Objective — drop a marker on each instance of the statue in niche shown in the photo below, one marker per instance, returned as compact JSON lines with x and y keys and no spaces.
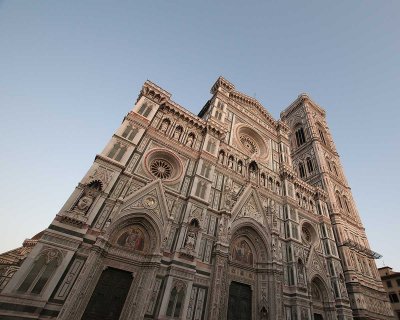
{"x":190,"y":242}
{"x":239,"y":167}
{"x":191,"y":236}
{"x":230,"y":162}
{"x":300,"y":272}
{"x":189,"y":141}
{"x":164,"y":125}
{"x":242,"y":253}
{"x":177,"y":133}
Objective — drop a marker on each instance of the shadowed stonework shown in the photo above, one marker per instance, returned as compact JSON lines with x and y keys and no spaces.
{"x":230,"y":214}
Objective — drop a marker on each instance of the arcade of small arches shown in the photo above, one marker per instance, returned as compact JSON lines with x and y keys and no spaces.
{"x":177,"y":132}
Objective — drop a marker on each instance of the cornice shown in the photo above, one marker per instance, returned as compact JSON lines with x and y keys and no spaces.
{"x":153,"y":92}
{"x":183,"y":113}
{"x":302,"y":98}
{"x":222,"y":83}
{"x":244,"y":99}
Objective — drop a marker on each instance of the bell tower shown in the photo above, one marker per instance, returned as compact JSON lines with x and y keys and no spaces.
{"x":317,"y":162}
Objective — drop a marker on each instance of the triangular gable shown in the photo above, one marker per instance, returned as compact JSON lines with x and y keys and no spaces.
{"x":152,"y":198}
{"x":249,"y":205}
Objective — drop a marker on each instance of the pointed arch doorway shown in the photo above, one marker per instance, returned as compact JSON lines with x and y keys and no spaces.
{"x":319,"y":298}
{"x":239,"y":304}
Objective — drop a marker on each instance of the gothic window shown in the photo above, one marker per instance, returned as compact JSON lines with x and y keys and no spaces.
{"x":176,"y":298}
{"x":334,"y":169}
{"x":301,"y":170}
{"x":42,"y":270}
{"x":321,"y":135}
{"x":145,"y":110}
{"x":346,"y":204}
{"x":201,"y":189}
{"x":210,"y":146}
{"x":130,"y":132}
{"x":117,"y":151}
{"x":338,"y":200}
{"x":309,"y":165}
{"x":218,"y":115}
{"x":205,"y":170}
{"x":300,"y":136}
{"x":329,"y":164}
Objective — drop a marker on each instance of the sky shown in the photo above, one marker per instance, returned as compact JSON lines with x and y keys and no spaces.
{"x":71,"y":70}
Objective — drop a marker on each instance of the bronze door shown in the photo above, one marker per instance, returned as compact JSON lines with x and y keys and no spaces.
{"x":109,"y":295}
{"x":239,"y":305}
{"x":318,"y":316}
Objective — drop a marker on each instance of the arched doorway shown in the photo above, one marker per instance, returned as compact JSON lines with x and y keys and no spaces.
{"x":248,"y":289}
{"x":131,"y":243}
{"x":319,"y":298}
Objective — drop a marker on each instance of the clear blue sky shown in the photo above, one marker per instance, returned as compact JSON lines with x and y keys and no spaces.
{"x":70,"y":71}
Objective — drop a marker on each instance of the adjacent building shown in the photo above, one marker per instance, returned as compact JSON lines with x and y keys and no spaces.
{"x":228,"y":214}
{"x":391,"y":283}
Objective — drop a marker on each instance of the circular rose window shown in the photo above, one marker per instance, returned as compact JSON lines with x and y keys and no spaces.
{"x":161,"y":168}
{"x":249,"y":143}
{"x":163,"y":164}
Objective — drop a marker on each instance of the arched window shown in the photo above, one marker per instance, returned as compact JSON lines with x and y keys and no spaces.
{"x":210,"y":145}
{"x":175,"y":303}
{"x":130,"y":132}
{"x":42,"y":270}
{"x":309,"y":165}
{"x":145,"y":110}
{"x":334,"y":169}
{"x":117,"y":151}
{"x":201,"y":189}
{"x":329,"y":164}
{"x":321,"y":135}
{"x":301,"y":170}
{"x":263,"y":179}
{"x":346,"y":204}
{"x":300,"y":136}
{"x":338,"y":200}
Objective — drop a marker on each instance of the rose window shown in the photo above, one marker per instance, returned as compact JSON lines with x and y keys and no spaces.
{"x":161,"y":168}
{"x":249,"y":144}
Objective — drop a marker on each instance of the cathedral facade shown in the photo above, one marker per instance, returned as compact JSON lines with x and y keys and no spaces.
{"x":229,"y":214}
